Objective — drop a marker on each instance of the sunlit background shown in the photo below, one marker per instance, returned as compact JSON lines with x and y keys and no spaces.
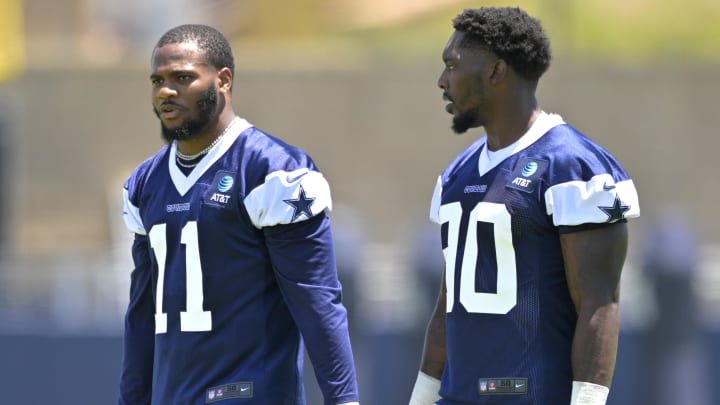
{"x":353,"y":82}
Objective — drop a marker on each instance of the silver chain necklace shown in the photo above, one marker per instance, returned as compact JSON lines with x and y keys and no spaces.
{"x":182,"y":156}
{"x":185,"y":165}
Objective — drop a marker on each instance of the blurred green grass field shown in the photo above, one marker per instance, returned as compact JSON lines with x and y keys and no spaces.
{"x":621,"y":31}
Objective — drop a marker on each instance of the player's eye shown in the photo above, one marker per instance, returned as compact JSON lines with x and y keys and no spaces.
{"x":155,"y":82}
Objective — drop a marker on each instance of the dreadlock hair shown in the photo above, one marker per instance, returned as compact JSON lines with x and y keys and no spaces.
{"x":216,"y":47}
{"x":511,"y":34}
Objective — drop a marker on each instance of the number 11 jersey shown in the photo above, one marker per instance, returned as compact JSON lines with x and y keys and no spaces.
{"x":242,"y":263}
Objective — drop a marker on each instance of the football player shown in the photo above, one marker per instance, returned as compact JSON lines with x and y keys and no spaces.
{"x":233,"y":252}
{"x":533,"y":220}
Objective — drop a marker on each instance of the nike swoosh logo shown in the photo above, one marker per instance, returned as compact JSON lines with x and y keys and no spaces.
{"x":293,"y":179}
{"x":519,"y":385}
{"x":608,"y":187}
{"x":243,"y":389}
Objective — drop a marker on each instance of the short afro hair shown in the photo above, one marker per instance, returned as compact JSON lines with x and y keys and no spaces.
{"x":511,"y":34}
{"x":218,"y":52}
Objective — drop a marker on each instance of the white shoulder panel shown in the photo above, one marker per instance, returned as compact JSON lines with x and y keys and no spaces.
{"x":598,"y":200}
{"x":287,"y":197}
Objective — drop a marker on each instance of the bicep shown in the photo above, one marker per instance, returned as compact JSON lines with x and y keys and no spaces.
{"x":303,"y":252}
{"x":303,"y":262}
{"x":594,"y":260}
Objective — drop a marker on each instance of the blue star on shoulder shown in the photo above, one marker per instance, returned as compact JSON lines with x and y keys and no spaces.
{"x":617,"y":211}
{"x":301,"y":205}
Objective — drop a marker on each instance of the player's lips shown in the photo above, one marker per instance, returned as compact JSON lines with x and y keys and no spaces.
{"x":450,"y":105}
{"x":169,"y":110}
{"x":167,"y":115}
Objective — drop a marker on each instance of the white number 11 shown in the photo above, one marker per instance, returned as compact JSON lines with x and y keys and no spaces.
{"x":193,"y":319}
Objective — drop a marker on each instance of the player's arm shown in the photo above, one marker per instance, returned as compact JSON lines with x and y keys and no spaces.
{"x":594,"y":260}
{"x":139,"y":339}
{"x":304,"y":262}
{"x":434,"y":355}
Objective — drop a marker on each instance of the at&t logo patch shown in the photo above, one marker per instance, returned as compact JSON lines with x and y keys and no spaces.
{"x":527,"y":174}
{"x":225,"y":184}
{"x":221,"y":190}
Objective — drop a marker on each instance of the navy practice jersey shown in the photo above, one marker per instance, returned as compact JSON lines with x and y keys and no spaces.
{"x":240,"y":264}
{"x":510,"y":319}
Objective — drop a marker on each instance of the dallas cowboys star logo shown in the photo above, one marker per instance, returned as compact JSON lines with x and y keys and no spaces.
{"x":301,"y":205}
{"x":617,"y":211}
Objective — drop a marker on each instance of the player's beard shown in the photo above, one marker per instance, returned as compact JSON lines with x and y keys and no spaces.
{"x":464,"y":121}
{"x":207,"y":112}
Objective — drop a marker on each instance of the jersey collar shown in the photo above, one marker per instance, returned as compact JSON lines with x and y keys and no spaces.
{"x":544,"y":123}
{"x":184,"y":183}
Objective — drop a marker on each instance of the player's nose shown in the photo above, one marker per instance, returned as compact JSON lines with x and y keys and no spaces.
{"x":442,"y":80}
{"x":164,"y":91}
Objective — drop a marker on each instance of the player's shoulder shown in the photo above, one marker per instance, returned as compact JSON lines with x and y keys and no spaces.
{"x":142,"y":171}
{"x":570,"y":151}
{"x":273,"y":153}
{"x":468,"y":155}
{"x":283,"y":184}
{"x":567,"y":142}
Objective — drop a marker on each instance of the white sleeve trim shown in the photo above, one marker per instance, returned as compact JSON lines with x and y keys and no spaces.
{"x":287,"y":197}
{"x":131,"y":215}
{"x":579,"y":202}
{"x":435,"y":201}
{"x":585,"y":393}
{"x":425,"y":391}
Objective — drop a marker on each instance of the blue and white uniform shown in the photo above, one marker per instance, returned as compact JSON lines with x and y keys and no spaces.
{"x":234,"y":267}
{"x":510,"y":319}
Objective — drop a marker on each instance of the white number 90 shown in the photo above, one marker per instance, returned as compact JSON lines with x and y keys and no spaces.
{"x":505,"y":298}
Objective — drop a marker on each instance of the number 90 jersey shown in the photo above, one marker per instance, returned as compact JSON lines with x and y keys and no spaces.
{"x":510,"y":319}
{"x":242,"y":263}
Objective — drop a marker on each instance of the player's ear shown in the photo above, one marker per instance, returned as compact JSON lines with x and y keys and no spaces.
{"x":499,"y":71}
{"x":225,"y":80}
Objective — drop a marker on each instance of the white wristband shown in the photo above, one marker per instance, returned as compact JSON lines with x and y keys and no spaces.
{"x":425,"y":391}
{"x":585,"y":393}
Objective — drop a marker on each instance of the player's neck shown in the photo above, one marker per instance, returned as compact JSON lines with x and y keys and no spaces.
{"x":510,"y":126}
